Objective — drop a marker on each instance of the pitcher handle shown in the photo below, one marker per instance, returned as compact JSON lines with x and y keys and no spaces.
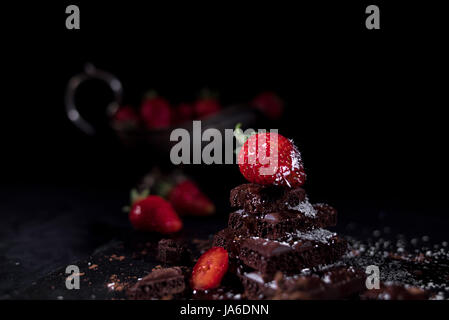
{"x":91,"y":72}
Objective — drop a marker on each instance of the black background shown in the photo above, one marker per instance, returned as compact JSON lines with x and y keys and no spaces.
{"x":366,"y":108}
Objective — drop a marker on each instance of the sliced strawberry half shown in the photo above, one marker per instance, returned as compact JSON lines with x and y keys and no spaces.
{"x":210,"y":269}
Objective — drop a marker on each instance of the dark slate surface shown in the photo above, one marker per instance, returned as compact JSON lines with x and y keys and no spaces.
{"x":53,"y":228}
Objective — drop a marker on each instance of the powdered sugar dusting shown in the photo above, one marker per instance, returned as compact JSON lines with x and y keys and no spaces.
{"x":327,"y":279}
{"x":304,"y":207}
{"x":295,"y":156}
{"x":241,"y":212}
{"x":255,"y":276}
{"x":319,"y":235}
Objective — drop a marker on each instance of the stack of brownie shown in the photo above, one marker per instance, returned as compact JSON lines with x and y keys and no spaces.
{"x":278,"y":246}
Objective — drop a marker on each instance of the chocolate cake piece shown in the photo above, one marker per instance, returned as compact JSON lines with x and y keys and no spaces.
{"x":170,"y":251}
{"x":336,"y":282}
{"x":160,"y":283}
{"x":275,"y":225}
{"x":301,"y":250}
{"x":220,"y":293}
{"x":254,"y":198}
{"x":392,"y":291}
{"x":227,"y":239}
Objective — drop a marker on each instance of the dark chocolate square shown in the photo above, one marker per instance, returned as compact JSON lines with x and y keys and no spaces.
{"x":275,"y":225}
{"x":173,"y":252}
{"x":254,"y":198}
{"x":299,"y":250}
{"x":337,"y":282}
{"x":302,"y":250}
{"x":160,"y":283}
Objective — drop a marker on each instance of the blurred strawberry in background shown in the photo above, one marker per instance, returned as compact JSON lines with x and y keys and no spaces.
{"x":182,"y":113}
{"x":154,"y":213}
{"x":126,"y":118}
{"x":206,"y":107}
{"x":269,"y":104}
{"x":155,"y":112}
{"x":182,"y":192}
{"x":206,"y":104}
{"x":188,"y":199}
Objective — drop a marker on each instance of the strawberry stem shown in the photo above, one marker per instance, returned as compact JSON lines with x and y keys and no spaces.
{"x":137,"y":196}
{"x":163,"y":189}
{"x":240,"y":136}
{"x":150,"y":94}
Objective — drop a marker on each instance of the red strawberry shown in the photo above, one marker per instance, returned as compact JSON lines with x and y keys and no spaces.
{"x":269,"y":104}
{"x":153,"y":213}
{"x":156,"y":113}
{"x":188,"y":199}
{"x":210,"y":269}
{"x":259,"y":163}
{"x":206,"y":107}
{"x":183,"y":113}
{"x":126,"y":117}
